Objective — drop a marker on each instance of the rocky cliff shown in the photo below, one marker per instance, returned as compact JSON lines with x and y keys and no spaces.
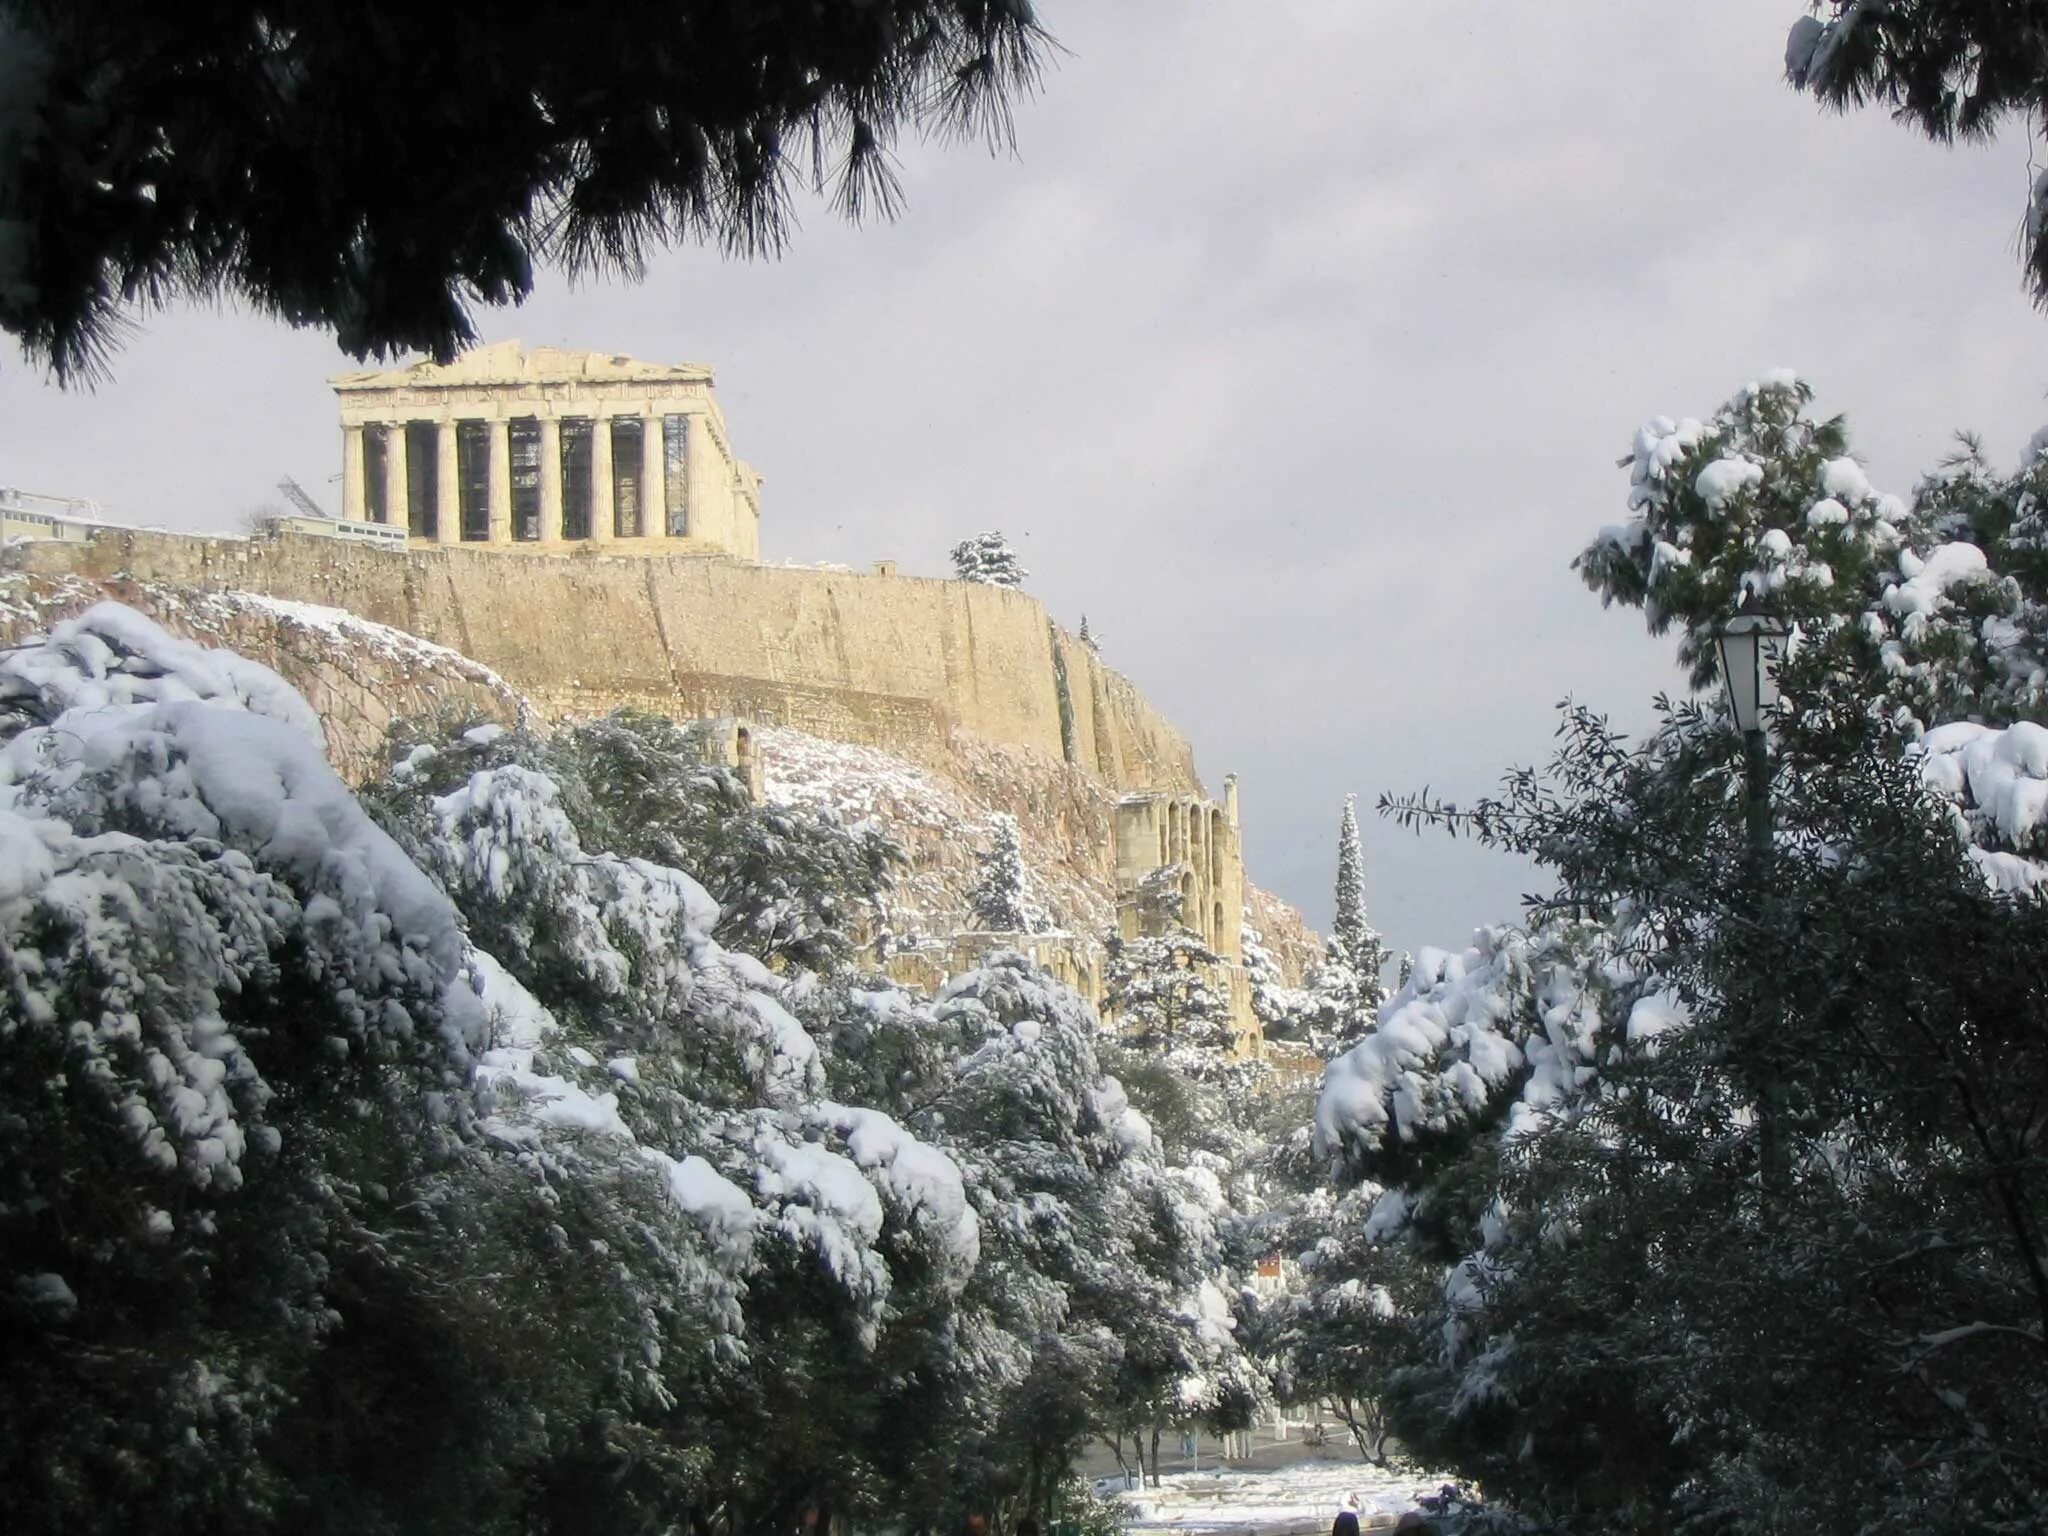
{"x":907,"y":664}
{"x":359,"y":675}
{"x":362,"y":675}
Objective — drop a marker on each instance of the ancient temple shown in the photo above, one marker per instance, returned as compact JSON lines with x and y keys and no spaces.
{"x":548,"y":451}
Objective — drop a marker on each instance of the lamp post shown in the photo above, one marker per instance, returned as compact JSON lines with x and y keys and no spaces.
{"x":1751,"y":646}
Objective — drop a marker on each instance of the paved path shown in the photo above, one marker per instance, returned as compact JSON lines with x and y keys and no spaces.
{"x":1268,"y":1452}
{"x":1283,"y":1488}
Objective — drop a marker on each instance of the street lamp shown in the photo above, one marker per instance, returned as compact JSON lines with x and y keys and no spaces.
{"x":1751,"y":646}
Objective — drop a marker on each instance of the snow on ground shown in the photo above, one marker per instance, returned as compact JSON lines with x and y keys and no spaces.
{"x":1308,"y":1495}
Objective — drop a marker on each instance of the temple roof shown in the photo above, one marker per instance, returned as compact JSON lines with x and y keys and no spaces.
{"x":506,"y":362}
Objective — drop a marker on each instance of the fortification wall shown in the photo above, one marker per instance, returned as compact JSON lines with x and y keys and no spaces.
{"x":893,"y":661}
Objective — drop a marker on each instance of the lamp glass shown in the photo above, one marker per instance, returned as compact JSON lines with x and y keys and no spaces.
{"x":1751,"y":646}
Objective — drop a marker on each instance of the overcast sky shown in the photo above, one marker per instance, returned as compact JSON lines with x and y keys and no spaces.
{"x":1295,"y":348}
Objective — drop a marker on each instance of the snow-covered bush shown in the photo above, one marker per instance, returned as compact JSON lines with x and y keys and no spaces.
{"x":229,"y":996}
{"x":456,"y":1099}
{"x":793,"y":887}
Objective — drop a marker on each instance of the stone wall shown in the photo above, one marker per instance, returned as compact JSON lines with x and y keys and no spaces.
{"x":894,"y":661}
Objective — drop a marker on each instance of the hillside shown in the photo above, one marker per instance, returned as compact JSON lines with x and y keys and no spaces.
{"x":360,"y":676}
{"x":906,"y":663}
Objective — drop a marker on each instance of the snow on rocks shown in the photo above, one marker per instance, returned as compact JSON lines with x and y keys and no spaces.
{"x":924,"y":811}
{"x":339,"y":625}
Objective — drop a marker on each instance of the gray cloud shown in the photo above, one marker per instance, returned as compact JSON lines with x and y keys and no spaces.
{"x":1295,"y":349}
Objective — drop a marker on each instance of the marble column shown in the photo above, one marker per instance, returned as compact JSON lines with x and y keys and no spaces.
{"x":708,"y":503}
{"x":550,"y":480}
{"x":653,"y":479}
{"x":601,"y":480}
{"x":500,"y":525}
{"x":447,"y":486}
{"x":352,"y":473}
{"x":396,"y":506}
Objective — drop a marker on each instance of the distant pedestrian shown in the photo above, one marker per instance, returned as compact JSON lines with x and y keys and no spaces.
{"x":1346,"y":1523}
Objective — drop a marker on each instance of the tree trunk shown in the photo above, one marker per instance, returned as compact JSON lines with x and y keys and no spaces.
{"x":1155,"y":1455}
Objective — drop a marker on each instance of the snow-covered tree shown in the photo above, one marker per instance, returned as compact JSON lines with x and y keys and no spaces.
{"x":793,"y":887}
{"x":545,"y":139}
{"x":1675,"y":1149}
{"x":987,"y":558}
{"x":1353,"y":939}
{"x":894,"y":1156}
{"x":1162,"y":995}
{"x":1340,"y":1008}
{"x":465,"y":1110}
{"x":1001,"y":899}
{"x":1345,"y":991}
{"x":1281,"y":1010}
{"x":1952,"y":71}
{"x":236,"y":1112}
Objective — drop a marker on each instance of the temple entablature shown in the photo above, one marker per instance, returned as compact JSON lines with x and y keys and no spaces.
{"x":551,"y":452}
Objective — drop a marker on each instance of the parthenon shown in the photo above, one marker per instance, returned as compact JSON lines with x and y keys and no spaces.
{"x":547,"y":452}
